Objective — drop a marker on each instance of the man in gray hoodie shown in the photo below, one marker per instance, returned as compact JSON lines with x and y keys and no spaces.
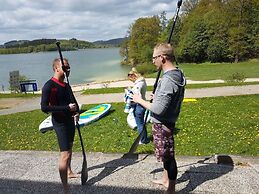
{"x":165,"y":110}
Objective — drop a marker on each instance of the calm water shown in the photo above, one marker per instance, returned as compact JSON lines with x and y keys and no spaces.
{"x":87,"y":65}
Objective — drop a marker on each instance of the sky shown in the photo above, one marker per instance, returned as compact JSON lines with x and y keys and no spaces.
{"x":89,"y":20}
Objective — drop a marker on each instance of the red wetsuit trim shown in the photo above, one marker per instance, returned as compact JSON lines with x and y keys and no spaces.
{"x":58,"y":82}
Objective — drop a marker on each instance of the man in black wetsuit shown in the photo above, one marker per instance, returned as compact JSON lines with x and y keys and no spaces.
{"x":58,"y":98}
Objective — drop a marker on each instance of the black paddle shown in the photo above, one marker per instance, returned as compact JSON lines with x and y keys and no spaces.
{"x":136,"y":142}
{"x":84,"y":172}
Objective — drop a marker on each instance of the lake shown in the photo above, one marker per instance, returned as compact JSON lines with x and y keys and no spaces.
{"x":87,"y":65}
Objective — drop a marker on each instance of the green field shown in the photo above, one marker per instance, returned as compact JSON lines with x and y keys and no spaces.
{"x":150,"y":88}
{"x":212,"y":71}
{"x":225,"y":125}
{"x":18,"y":95}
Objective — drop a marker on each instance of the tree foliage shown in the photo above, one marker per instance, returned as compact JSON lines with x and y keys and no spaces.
{"x":219,"y":30}
{"x":143,"y":36}
{"x":207,"y":30}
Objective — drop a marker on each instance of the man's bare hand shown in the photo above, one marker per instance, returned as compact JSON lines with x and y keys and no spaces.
{"x":151,"y":96}
{"x":72,"y":107}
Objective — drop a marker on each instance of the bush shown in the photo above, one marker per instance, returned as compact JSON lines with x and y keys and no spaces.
{"x":236,"y":77}
{"x":146,"y":68}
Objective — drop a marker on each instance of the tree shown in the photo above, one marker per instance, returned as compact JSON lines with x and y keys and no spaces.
{"x":208,"y":30}
{"x":189,"y":6}
{"x":124,"y":52}
{"x":243,"y":28}
{"x":194,"y":36}
{"x":143,"y":37}
{"x":219,"y":30}
{"x":163,"y":20}
{"x":217,"y":27}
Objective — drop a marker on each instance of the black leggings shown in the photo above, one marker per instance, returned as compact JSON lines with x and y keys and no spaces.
{"x":171,"y":168}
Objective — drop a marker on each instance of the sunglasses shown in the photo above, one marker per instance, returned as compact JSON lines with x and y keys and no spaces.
{"x":155,"y":57}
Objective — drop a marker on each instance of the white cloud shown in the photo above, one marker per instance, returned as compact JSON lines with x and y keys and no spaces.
{"x":81,"y":19}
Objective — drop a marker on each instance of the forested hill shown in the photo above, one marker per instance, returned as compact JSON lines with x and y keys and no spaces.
{"x":112,"y":42}
{"x":42,"y":45}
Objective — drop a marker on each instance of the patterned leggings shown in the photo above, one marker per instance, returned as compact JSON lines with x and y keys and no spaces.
{"x":164,"y":147}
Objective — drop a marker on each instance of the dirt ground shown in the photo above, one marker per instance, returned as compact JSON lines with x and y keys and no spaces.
{"x":11,"y":102}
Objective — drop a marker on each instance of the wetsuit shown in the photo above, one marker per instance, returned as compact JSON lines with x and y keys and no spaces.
{"x":56,"y":97}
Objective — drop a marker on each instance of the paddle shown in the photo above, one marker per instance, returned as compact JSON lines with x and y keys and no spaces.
{"x":136,"y":142}
{"x":84,"y":172}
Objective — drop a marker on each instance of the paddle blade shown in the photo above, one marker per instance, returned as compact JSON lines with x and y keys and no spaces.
{"x":84,"y":173}
{"x":134,"y":146}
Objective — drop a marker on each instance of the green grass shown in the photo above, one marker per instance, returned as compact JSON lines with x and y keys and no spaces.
{"x":226,"y":125}
{"x":212,"y":71}
{"x":18,"y":95}
{"x":121,"y":89}
{"x":209,"y":85}
{"x":150,"y":88}
{"x":104,"y":90}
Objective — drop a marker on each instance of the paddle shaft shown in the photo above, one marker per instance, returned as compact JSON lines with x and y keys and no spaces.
{"x":136,"y":142}
{"x":84,"y":173}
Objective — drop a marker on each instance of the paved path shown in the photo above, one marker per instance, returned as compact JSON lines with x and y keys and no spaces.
{"x":33,"y":104}
{"x":189,"y":93}
{"x":36,"y":172}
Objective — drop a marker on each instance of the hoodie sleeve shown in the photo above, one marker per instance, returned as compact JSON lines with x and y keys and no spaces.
{"x":163,"y":96}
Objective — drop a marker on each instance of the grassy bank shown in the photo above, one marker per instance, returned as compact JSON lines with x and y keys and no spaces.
{"x":18,"y":95}
{"x":212,"y":125}
{"x":150,"y":88}
{"x":212,"y":71}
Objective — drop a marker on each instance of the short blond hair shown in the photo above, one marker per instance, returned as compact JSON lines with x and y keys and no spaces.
{"x":56,"y":62}
{"x":164,"y":49}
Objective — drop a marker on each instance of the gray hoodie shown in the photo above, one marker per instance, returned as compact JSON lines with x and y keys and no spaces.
{"x":168,"y":97}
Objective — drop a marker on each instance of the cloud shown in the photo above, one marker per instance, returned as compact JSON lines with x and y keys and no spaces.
{"x":81,"y":19}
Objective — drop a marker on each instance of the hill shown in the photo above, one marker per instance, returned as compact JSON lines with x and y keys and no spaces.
{"x":112,"y":42}
{"x":42,"y":45}
{"x":14,"y":43}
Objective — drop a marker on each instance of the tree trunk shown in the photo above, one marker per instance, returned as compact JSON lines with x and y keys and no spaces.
{"x":236,"y":58}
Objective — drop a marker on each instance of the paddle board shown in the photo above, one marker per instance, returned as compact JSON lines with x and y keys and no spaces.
{"x":85,"y":118}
